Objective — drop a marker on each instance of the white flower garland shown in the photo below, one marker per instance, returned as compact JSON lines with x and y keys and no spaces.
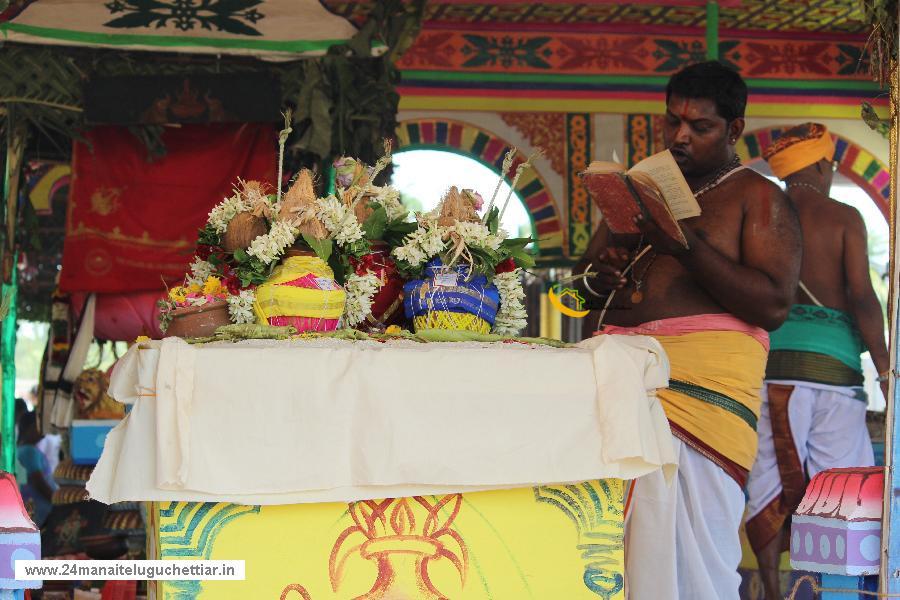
{"x":389,"y":198}
{"x":222,"y":213}
{"x":430,"y":239}
{"x":512,"y":317}
{"x":422,"y":244}
{"x":240,"y":307}
{"x":478,"y":235}
{"x":200,"y":271}
{"x":269,"y":247}
{"x":361,"y":289}
{"x":339,"y":220}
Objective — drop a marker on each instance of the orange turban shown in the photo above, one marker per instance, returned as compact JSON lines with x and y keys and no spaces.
{"x":798,"y":148}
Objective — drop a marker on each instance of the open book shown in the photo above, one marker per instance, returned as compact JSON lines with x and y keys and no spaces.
{"x":654,"y":187}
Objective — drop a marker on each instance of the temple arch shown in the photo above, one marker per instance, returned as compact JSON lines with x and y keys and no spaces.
{"x":489,"y":149}
{"x":854,"y":162}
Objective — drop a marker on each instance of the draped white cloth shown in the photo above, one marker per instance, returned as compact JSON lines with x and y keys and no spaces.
{"x":266,"y":422}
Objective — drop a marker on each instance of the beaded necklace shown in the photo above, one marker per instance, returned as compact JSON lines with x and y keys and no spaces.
{"x":727,"y":170}
{"x":721,"y":175}
{"x":806,"y":185}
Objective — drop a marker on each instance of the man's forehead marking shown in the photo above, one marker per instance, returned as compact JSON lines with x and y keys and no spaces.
{"x":685,"y":104}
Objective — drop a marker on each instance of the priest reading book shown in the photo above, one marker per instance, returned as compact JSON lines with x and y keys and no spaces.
{"x":654,"y":188}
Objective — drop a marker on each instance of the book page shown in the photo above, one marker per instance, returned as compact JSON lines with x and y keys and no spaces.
{"x":601,"y":166}
{"x":664,"y":171}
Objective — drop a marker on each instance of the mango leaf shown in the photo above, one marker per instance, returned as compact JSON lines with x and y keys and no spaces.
{"x":522,"y":257}
{"x":322,"y":248}
{"x":209,"y":236}
{"x":396,"y":232}
{"x":516,"y":242}
{"x":340,"y":266}
{"x":493,"y":220}
{"x":376,"y":223}
{"x":484,"y":259}
{"x":358,"y":248}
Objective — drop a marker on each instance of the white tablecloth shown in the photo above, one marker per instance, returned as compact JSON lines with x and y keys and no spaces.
{"x":266,"y":422}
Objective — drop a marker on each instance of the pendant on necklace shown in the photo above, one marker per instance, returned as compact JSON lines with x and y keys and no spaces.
{"x":637,"y":296}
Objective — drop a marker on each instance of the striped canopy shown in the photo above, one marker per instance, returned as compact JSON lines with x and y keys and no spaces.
{"x":267,"y":29}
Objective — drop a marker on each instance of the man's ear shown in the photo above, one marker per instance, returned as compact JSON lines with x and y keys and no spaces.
{"x":736,"y":129}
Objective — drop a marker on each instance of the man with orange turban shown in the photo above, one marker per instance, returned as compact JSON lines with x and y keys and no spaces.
{"x":813,"y":413}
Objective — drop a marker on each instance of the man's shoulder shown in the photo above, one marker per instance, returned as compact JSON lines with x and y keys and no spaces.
{"x":848,"y":216}
{"x":752,"y":190}
{"x":829,"y":210}
{"x":845,"y":210}
{"x":757,"y":182}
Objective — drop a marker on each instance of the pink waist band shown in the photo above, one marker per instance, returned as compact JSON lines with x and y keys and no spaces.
{"x":692,"y":324}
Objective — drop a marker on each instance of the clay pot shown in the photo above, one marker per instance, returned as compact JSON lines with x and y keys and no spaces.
{"x":198,"y":321}
{"x":242,"y":230}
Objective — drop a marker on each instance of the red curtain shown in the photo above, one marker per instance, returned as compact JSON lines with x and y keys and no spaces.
{"x":132,"y":224}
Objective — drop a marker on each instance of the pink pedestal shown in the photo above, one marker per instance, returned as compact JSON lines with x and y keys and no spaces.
{"x":19,"y":538}
{"x":837,"y":527}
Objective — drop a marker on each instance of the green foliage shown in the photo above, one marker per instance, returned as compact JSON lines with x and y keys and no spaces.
{"x":396,"y":230}
{"x":493,"y":220}
{"x":250,"y":270}
{"x":484,"y":260}
{"x":209,"y":236}
{"x":346,"y":102}
{"x":322,"y":248}
{"x":515,"y":248}
{"x":376,"y":223}
{"x":340,"y":266}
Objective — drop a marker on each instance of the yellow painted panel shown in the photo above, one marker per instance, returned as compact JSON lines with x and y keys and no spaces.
{"x":540,"y":543}
{"x":402,"y":136}
{"x":862,"y":162}
{"x":467,"y":139}
{"x":599,"y":105}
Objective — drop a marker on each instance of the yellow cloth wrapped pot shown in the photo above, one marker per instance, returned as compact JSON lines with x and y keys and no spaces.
{"x":301,"y":286}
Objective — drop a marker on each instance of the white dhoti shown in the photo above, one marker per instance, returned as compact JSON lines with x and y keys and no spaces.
{"x":804,"y":428}
{"x":698,"y":515}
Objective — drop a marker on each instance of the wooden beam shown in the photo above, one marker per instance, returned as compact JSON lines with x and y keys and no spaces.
{"x":890,"y":523}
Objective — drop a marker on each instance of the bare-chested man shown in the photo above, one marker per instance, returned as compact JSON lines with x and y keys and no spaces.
{"x":709,"y":307}
{"x":814,"y":407}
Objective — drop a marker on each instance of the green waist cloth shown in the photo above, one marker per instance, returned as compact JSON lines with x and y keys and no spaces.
{"x":820,"y":330}
{"x":816,"y":368}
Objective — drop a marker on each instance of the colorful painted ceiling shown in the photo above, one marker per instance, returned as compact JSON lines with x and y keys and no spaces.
{"x":801,"y":58}
{"x":763,"y":15}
